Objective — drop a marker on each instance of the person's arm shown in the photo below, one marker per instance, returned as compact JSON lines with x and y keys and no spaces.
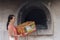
{"x":11,"y":33}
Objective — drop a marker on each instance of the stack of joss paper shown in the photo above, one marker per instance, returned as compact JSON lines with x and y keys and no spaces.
{"x":26,"y":28}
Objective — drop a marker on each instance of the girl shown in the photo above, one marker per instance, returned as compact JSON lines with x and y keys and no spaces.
{"x":11,"y":28}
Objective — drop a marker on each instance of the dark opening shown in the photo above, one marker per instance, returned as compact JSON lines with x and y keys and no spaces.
{"x":37,"y":15}
{"x":35,"y":11}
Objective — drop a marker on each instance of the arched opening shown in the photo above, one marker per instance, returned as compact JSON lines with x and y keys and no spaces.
{"x":35,"y":12}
